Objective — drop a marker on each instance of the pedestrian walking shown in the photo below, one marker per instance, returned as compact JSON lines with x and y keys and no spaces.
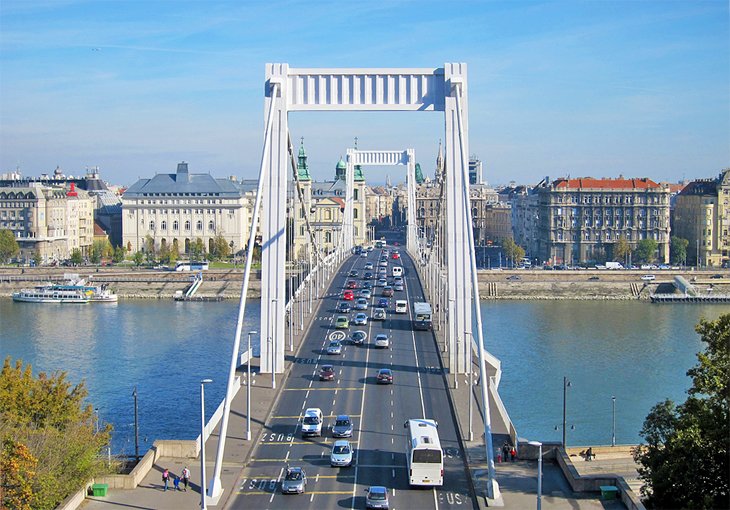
{"x":505,"y":452}
{"x":165,"y":478}
{"x":176,"y":483}
{"x":185,"y":478}
{"x":513,"y":453}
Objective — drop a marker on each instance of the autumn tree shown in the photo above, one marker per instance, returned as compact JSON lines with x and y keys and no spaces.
{"x":9,"y":247}
{"x":48,"y":432}
{"x":621,"y":250}
{"x":512,"y":250}
{"x":221,"y":250}
{"x":17,"y":473}
{"x":685,"y":461}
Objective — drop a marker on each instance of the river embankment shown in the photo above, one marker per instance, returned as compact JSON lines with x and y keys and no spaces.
{"x":518,"y":284}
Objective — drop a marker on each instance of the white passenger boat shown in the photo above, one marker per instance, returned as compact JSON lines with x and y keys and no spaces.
{"x":50,"y":293}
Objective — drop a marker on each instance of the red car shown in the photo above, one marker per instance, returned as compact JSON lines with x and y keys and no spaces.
{"x":348,"y":295}
{"x":385,"y":376}
{"x":352,"y":284}
{"x":396,"y":256}
{"x":327,"y":373}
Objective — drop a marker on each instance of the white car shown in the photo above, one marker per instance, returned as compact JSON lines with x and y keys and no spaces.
{"x":312,"y":422}
{"x":382,"y":341}
{"x":361,"y":304}
{"x":648,"y":277}
{"x":341,"y":455}
{"x":382,"y":283}
{"x":361,"y":319}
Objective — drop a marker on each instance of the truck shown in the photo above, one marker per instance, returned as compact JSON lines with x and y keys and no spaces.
{"x":614,"y":265}
{"x":422,"y":315}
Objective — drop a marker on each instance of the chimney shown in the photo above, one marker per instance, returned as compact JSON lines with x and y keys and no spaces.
{"x":182,"y":172}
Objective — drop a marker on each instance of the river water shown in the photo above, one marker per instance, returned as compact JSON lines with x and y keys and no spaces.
{"x":635,"y":351}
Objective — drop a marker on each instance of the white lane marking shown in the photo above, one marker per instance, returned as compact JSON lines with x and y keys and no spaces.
{"x":306,"y":395}
{"x":278,"y":481}
{"x":333,"y":402}
{"x":310,"y":383}
{"x":311,"y":498}
{"x":393,"y":471}
{"x":286,"y":459}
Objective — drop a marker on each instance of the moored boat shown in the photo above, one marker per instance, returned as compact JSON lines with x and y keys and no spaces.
{"x":50,"y":293}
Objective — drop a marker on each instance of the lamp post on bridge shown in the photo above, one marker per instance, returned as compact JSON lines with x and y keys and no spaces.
{"x":538,"y":444}
{"x":272,"y":349}
{"x":613,"y":416}
{"x":248,"y":387}
{"x":471,"y":388}
{"x":203,"y":487}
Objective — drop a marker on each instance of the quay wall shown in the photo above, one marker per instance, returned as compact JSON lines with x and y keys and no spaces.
{"x":533,"y":284}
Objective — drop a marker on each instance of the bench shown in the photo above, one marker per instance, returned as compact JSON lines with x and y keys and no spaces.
{"x":609,"y":492}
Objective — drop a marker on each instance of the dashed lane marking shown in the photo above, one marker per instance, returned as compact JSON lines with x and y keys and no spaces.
{"x":322,"y":389}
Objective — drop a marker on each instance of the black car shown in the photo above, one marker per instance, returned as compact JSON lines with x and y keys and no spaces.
{"x":367,"y":285}
{"x":354,"y":274}
{"x":343,"y":307}
{"x":342,"y":426}
{"x":368,"y":275}
{"x":358,"y":337}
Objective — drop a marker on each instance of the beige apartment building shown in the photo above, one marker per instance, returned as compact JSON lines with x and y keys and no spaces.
{"x":52,"y":221}
{"x":702,"y":216}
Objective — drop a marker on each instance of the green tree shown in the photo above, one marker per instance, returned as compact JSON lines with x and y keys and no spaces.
{"x":197,"y":249}
{"x":645,"y":250}
{"x":685,"y":461}
{"x":221,"y":250}
{"x":100,"y":248}
{"x":174,"y":252}
{"x":621,"y":250}
{"x":512,"y":250}
{"x":37,"y":259}
{"x":164,"y":254}
{"x":9,"y":247}
{"x":678,"y":250}
{"x":76,"y":257}
{"x":137,"y":258}
{"x":149,"y":248}
{"x":118,"y":254}
{"x":44,"y":418}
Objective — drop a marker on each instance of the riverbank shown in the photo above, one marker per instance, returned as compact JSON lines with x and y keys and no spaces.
{"x":533,"y":284}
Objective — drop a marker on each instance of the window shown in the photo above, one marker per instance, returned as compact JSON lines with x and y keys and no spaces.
{"x":211,"y":226}
{"x":199,"y":226}
{"x":328,"y":237}
{"x":152,"y":225}
{"x":354,"y":213}
{"x":187,"y":225}
{"x":163,"y":225}
{"x":175,"y":225}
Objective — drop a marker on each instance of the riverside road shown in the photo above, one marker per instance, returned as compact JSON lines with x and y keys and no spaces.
{"x":378,"y":413}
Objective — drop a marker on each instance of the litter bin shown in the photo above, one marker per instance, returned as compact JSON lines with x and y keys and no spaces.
{"x":609,"y":492}
{"x":99,"y":489}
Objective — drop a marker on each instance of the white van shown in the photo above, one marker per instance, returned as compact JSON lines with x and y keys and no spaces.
{"x":397,"y":271}
{"x":401,"y":306}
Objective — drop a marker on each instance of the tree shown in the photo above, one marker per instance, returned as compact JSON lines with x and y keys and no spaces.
{"x":512,"y":250}
{"x":645,"y":250}
{"x":164,"y":254}
{"x":76,"y":257}
{"x":678,"y":250}
{"x":197,"y":249}
{"x":9,"y":247}
{"x":149,"y":248}
{"x":17,"y":473}
{"x":48,"y":434}
{"x":221,"y":250}
{"x":137,"y":258}
{"x":621,"y":249}
{"x":118,"y":255}
{"x":100,"y":248}
{"x":37,"y":259}
{"x":685,"y":461}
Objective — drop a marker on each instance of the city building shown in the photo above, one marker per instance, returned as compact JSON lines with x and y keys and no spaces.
{"x":324,"y":208}
{"x":177,"y":209}
{"x":701,"y":215}
{"x":580,"y":220}
{"x":51,"y":221}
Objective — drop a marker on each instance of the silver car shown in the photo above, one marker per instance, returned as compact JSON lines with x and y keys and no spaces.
{"x":335,"y":347}
{"x":361,"y":319}
{"x":361,"y":304}
{"x":379,"y":314}
{"x":377,"y":497}
{"x":341,"y":455}
{"x":294,"y":481}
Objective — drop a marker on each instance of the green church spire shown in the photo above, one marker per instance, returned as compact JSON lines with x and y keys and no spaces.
{"x":419,"y":174}
{"x":302,"y":166}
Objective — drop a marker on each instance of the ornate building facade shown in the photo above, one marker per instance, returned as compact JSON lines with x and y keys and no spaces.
{"x":178,"y":209}
{"x":51,"y":221}
{"x":324,"y":208}
{"x":581,"y":219}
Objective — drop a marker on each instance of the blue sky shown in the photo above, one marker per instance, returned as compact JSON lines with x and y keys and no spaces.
{"x":585,"y":88}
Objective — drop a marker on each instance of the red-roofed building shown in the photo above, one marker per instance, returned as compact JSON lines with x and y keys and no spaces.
{"x":580,"y":220}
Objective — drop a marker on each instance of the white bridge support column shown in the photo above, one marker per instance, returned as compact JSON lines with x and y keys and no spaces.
{"x":412,"y":232}
{"x":273,"y":228}
{"x":458,"y":221}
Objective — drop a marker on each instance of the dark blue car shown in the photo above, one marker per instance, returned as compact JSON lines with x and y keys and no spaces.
{"x":383,"y":302}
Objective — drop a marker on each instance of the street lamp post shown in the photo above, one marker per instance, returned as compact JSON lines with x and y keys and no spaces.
{"x":471,"y":389}
{"x":248,"y":387}
{"x":613,"y":415}
{"x":203,"y":486}
{"x":272,"y":349}
{"x":566,"y":383}
{"x":539,"y":472}
{"x":136,"y":427}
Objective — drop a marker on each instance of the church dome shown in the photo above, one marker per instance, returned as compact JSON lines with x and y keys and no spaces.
{"x":341,"y":165}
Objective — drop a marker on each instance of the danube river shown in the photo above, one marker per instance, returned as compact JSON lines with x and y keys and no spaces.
{"x":635,"y":351}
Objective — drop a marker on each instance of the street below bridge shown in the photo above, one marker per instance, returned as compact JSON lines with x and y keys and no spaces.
{"x":378,"y":411}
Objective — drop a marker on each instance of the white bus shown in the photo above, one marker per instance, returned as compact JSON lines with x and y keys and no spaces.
{"x":424,"y":455}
